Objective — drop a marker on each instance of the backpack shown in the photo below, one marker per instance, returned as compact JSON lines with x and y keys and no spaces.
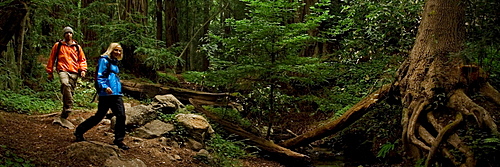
{"x":106,"y":72}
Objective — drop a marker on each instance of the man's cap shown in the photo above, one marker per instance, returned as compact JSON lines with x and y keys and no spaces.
{"x":67,"y":29}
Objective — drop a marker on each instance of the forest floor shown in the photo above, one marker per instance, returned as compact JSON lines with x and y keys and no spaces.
{"x":37,"y":139}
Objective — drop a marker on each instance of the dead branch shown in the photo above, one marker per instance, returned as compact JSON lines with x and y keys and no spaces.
{"x":258,"y":141}
{"x":349,"y":117}
{"x":45,"y":115}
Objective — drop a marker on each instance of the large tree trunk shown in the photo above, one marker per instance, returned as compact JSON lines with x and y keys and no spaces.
{"x":10,"y":23}
{"x":434,"y":84}
{"x":159,"y":20}
{"x":171,"y":29}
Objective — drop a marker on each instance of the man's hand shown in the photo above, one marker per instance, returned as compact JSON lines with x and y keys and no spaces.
{"x":108,"y":90}
{"x":82,"y":74}
{"x":50,"y":77}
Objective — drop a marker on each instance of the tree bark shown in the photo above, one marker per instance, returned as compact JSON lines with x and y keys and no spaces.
{"x":136,"y":7}
{"x":10,"y":24}
{"x":433,"y":85}
{"x":159,"y":20}
{"x":171,"y":29}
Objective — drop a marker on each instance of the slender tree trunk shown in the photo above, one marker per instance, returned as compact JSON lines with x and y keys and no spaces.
{"x":88,"y":34}
{"x":159,"y":20}
{"x":171,"y":29}
{"x":136,"y":7}
{"x":19,"y":44}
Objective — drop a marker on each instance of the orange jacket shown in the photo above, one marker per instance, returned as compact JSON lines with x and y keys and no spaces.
{"x":68,"y":59}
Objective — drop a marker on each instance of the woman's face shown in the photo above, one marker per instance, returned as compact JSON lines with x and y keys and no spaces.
{"x":117,"y":52}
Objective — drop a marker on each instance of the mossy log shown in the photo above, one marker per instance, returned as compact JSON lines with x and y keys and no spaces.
{"x":149,"y":90}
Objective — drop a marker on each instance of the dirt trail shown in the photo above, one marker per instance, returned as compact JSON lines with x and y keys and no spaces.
{"x":35,"y":138}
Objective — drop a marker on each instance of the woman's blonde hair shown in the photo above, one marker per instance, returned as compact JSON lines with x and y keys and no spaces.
{"x":110,"y":49}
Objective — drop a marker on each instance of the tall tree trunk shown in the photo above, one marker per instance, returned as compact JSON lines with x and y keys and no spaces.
{"x":10,"y":24}
{"x":88,"y":34}
{"x":159,"y":20}
{"x":434,"y":86}
{"x":136,"y":7}
{"x":19,"y":43}
{"x":171,"y":29}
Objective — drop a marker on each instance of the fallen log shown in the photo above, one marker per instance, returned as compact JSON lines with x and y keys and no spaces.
{"x":349,"y":117}
{"x":149,"y":90}
{"x":256,"y":140}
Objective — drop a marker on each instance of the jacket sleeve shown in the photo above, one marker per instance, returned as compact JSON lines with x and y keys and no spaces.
{"x":82,"y":61}
{"x":102,"y":78}
{"x":52,"y":58}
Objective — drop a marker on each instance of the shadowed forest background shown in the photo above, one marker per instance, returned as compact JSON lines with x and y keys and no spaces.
{"x":292,"y":65}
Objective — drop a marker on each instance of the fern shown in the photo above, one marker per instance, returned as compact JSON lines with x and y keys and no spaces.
{"x":385,"y":149}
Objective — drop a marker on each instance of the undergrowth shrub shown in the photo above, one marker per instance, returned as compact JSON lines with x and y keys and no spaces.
{"x":226,"y":152}
{"x":11,"y":101}
{"x":10,"y":159}
{"x":229,"y":114}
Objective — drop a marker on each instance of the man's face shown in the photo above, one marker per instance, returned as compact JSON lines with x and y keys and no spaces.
{"x":68,"y":36}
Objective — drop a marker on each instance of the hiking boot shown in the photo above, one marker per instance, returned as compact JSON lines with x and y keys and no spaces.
{"x":65,"y":114}
{"x":121,"y":145}
{"x":78,"y":137}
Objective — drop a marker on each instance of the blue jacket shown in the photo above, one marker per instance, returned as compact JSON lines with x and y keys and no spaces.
{"x":108,"y":77}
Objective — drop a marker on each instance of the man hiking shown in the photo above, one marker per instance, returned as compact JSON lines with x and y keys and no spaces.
{"x":70,"y":63}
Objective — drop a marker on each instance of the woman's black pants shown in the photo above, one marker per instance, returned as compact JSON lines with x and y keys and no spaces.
{"x":115,"y":103}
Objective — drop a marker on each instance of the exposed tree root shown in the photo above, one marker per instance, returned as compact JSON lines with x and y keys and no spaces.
{"x":461,"y":102}
{"x":412,"y":124}
{"x":488,"y":91}
{"x":441,"y":135}
{"x":456,"y":142}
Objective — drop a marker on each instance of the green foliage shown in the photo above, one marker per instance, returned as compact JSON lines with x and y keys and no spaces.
{"x":8,"y":77}
{"x":369,"y":28}
{"x":229,"y":114}
{"x":486,"y":56}
{"x":10,"y":159}
{"x":486,"y":148}
{"x":226,"y":151}
{"x":159,"y":59}
{"x":386,"y":148}
{"x":167,"y":78}
{"x":83,"y":95}
{"x":26,"y":103}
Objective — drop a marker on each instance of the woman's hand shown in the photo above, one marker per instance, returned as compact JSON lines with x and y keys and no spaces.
{"x":108,"y":90}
